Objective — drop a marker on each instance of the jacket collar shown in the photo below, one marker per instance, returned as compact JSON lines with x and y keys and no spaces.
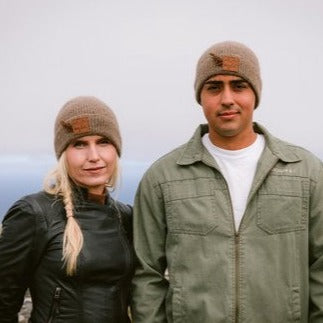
{"x":82,"y":195}
{"x":195,"y":151}
{"x":279,"y":148}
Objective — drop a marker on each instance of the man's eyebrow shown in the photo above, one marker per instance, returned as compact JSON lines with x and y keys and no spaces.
{"x":239,"y":81}
{"x":220,"y":81}
{"x":213,"y":82}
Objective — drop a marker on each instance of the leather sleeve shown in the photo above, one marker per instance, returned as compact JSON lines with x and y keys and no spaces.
{"x":16,"y":246}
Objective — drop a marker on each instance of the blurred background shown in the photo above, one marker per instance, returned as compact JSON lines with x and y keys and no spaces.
{"x":139,"y":57}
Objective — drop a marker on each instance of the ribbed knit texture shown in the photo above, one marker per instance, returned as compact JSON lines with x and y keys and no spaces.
{"x":228,"y":58}
{"x":84,"y":116}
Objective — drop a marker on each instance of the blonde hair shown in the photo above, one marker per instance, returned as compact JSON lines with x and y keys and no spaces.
{"x":58,"y":182}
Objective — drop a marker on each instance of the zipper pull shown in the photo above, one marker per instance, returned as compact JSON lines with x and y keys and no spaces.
{"x":57,"y":293}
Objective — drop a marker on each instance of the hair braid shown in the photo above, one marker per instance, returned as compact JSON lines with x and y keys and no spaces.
{"x":73,"y":237}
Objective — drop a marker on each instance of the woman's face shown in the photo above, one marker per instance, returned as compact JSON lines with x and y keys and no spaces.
{"x":91,"y":161}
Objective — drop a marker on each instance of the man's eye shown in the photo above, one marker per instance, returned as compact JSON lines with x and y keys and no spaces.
{"x":213,"y":87}
{"x":240,"y":86}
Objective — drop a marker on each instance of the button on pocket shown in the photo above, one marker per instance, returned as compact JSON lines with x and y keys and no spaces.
{"x":190,"y":206}
{"x":282,"y":204}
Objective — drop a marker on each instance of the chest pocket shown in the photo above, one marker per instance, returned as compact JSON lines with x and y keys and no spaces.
{"x":282,"y":204}
{"x":190,"y":206}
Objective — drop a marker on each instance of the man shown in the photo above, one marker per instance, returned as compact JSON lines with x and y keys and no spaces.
{"x":235,"y":215}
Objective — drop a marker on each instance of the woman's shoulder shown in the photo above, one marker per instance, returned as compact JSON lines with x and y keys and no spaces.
{"x":38,"y":201}
{"x":122,"y":207}
{"x":37,"y":205}
{"x":125,"y":210}
{"x":25,"y":213}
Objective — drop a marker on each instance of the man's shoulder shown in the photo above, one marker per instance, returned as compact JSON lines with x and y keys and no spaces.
{"x":165,"y":166}
{"x":308,"y":164}
{"x":288,"y":151}
{"x":168,"y":160}
{"x":185,"y":151}
{"x":301,"y":152}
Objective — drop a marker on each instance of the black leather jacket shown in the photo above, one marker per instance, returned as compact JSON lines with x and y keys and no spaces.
{"x":31,"y":257}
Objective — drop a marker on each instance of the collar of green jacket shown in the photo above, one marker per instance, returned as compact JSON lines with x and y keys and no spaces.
{"x":195,"y":151}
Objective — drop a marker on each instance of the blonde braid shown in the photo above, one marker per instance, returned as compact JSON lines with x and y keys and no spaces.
{"x":73,"y":237}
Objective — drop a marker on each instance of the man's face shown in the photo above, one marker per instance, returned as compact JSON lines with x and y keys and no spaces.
{"x":228,"y":103}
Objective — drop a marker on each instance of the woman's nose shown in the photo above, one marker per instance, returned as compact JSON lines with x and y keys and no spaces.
{"x":93,"y":154}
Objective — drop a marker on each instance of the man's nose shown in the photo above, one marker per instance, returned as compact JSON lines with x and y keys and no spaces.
{"x":227,"y":96}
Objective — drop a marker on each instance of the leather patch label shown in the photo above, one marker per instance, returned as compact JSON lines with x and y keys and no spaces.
{"x":80,"y":125}
{"x":227,"y":63}
{"x":231,"y":63}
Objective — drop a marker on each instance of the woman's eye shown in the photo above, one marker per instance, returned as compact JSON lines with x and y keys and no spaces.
{"x":104,"y":142}
{"x":78,"y":144}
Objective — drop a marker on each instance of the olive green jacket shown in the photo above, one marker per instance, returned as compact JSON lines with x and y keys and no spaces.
{"x":269,"y":271}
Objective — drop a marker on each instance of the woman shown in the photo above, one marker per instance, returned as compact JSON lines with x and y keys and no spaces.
{"x":71,"y":243}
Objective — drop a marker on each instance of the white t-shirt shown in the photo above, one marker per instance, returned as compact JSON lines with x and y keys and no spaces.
{"x":238,"y":168}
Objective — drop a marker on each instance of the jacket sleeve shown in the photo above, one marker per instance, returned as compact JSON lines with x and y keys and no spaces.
{"x":316,"y":251}
{"x":16,"y":244}
{"x":149,"y":284}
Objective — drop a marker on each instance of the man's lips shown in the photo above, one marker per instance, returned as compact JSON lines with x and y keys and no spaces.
{"x":228,"y":114}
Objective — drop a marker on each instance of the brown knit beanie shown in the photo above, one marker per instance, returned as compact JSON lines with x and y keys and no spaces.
{"x":228,"y":58}
{"x":84,"y":116}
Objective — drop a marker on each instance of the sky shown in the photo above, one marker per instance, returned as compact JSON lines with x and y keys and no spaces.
{"x":139,"y":57}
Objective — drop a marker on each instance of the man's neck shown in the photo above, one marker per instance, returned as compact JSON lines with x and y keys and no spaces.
{"x":237,"y":142}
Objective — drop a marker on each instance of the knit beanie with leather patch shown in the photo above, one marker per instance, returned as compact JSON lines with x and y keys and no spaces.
{"x":228,"y":58}
{"x":85,"y":116}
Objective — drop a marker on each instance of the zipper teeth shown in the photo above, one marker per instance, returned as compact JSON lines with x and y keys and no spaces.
{"x":126,"y":246}
{"x":125,"y":243}
{"x":56,"y":298}
{"x":236,"y":256}
{"x":237,"y":259}
{"x":237,"y":274}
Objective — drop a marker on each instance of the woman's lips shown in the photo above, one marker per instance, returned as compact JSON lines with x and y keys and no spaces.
{"x":94,"y":170}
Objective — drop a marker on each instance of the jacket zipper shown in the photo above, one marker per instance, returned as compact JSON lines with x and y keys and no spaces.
{"x":236,"y":256}
{"x":125,"y":243}
{"x":126,"y":246}
{"x":236,"y":261}
{"x":55,"y":306}
{"x":237,"y":274}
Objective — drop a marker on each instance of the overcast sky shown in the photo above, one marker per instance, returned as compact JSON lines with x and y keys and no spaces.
{"x":140,"y":57}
